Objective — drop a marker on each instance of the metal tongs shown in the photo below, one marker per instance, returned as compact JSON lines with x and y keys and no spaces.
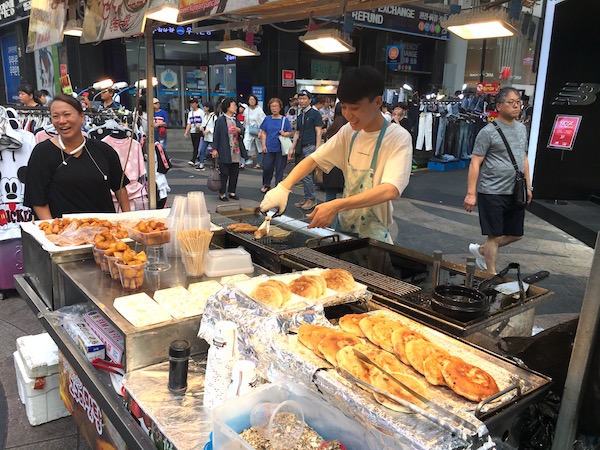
{"x":109,"y":366}
{"x":269,"y":215}
{"x":438,"y":415}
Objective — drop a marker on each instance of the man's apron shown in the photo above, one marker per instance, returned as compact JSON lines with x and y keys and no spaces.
{"x":362,"y":222}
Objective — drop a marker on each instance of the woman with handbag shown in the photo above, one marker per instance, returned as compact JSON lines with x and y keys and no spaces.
{"x":228,"y":147}
{"x":207,"y":132}
{"x":276,"y":131}
{"x":252,"y":141}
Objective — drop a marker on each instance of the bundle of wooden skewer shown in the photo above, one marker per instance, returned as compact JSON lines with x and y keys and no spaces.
{"x":194,"y":245}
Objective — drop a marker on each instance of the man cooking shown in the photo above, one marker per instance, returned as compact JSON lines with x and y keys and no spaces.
{"x":374,"y":157}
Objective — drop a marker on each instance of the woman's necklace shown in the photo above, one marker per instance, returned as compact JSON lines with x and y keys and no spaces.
{"x":72,"y":152}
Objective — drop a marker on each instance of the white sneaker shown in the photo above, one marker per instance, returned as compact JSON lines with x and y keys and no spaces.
{"x":479,"y":258}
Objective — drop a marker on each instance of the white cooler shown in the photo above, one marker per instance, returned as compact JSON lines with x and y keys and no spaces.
{"x":36,"y":366}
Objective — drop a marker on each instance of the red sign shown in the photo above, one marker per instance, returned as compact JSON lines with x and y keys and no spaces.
{"x":63,"y":70}
{"x":564,"y":132}
{"x":488,"y":88}
{"x":288,"y":78}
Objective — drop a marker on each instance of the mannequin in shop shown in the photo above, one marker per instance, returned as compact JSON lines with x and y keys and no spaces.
{"x":491,"y":180}
{"x":375,"y":158}
{"x":70,"y":173}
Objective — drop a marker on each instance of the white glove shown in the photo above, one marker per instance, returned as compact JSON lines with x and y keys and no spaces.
{"x":275,"y":198}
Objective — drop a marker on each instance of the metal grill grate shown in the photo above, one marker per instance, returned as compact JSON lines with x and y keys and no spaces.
{"x":384,"y":284}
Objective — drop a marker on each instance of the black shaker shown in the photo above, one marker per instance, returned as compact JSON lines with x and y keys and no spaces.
{"x":179,"y":356}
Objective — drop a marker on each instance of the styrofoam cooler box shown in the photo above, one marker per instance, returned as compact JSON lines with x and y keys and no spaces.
{"x":42,"y":404}
{"x":39,"y":354}
{"x":233,"y":417}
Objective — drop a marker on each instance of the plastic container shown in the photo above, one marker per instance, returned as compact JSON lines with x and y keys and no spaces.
{"x":132,"y":276}
{"x":154,"y":238}
{"x":227,"y":261}
{"x":100,"y":259}
{"x":233,"y":417}
{"x":112,"y":267}
{"x":193,"y":263}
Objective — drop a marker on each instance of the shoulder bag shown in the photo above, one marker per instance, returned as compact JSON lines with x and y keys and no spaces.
{"x":214,"y":178}
{"x":520,"y":192}
{"x":286,"y":142}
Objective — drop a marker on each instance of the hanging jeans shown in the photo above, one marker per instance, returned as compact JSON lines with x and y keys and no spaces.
{"x":441,"y":135}
{"x":425,"y":126}
{"x":463,"y":140}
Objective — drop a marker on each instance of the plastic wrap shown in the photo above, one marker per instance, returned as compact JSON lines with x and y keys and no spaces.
{"x":181,"y":419}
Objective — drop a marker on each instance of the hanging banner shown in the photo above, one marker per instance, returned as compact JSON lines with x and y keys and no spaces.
{"x":46,"y":23}
{"x":564,"y":132}
{"x":195,"y":9}
{"x":10,"y":63}
{"x":47,"y":68}
{"x":113,"y":19}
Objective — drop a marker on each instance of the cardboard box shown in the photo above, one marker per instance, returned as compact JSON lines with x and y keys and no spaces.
{"x":110,"y":337}
{"x":41,"y":396}
{"x":91,"y":346}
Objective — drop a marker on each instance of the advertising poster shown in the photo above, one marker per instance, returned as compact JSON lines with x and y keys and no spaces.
{"x":93,"y":424}
{"x":288,"y":78}
{"x":113,"y":19}
{"x":46,"y":24}
{"x":193,"y":9}
{"x":10,"y":63}
{"x":394,"y":56}
{"x":47,"y":68}
{"x":259,"y":92}
{"x":491,"y":88}
{"x":564,"y":132}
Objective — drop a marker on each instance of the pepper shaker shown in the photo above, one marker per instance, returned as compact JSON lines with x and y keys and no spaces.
{"x":179,"y":355}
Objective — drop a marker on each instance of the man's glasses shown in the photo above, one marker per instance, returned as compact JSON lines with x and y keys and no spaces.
{"x":513,"y":102}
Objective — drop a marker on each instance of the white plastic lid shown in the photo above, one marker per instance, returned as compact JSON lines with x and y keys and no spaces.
{"x":227,"y":261}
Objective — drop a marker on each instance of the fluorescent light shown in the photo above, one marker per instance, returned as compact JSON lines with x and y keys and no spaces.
{"x":407,"y":87}
{"x":165,"y":13}
{"x":190,"y":42}
{"x":480,"y":25}
{"x":73,"y":28}
{"x":237,"y":47}
{"x":327,"y":41}
{"x":103,"y":84}
{"x":464,"y":86}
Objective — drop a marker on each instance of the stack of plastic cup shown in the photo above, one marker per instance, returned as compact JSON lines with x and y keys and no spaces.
{"x":176,"y":222}
{"x":196,"y":215}
{"x":222,"y":355}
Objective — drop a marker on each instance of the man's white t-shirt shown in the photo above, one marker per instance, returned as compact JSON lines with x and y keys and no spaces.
{"x":393,"y":164}
{"x":195,"y":119}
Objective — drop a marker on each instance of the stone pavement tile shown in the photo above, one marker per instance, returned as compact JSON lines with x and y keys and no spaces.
{"x":8,"y":375}
{"x":21,"y":434}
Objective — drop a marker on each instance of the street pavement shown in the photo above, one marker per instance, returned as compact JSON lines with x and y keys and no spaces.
{"x":428,"y":217}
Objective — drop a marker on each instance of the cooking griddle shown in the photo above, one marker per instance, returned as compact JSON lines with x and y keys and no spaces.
{"x":388,"y":268}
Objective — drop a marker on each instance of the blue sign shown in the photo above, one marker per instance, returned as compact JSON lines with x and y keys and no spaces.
{"x":259,"y":93}
{"x":10,"y":62}
{"x":180,"y":31}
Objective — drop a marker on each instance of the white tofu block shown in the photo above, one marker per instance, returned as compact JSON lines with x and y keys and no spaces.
{"x":41,"y":405}
{"x":39,"y":354}
{"x":140,"y":310}
{"x":179,"y":302}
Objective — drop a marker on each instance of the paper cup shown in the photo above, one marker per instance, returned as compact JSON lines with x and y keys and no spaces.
{"x":132,"y":276}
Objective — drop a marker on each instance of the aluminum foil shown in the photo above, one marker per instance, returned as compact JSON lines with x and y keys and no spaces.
{"x":263,"y":339}
{"x":181,"y":418}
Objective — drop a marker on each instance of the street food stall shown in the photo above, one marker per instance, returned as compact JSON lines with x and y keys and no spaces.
{"x":395,"y":289}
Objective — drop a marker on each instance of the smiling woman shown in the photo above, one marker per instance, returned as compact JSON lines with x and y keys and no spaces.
{"x":70,"y":173}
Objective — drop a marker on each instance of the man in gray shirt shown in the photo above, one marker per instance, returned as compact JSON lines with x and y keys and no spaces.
{"x":491,"y":180}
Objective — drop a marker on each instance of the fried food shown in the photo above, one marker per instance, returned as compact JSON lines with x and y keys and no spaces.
{"x":305,"y":331}
{"x":316,"y":337}
{"x":272,"y":292}
{"x":306,"y":286}
{"x":433,"y":365}
{"x":150,"y":232}
{"x":333,"y":342}
{"x":349,"y":323}
{"x":69,"y":232}
{"x":339,"y":280}
{"x":242,"y":227}
{"x":417,"y":350}
{"x":383,"y":359}
{"x":400,"y":337}
{"x":387,"y":384}
{"x":260,"y":233}
{"x":347,"y":360}
{"x":381,"y":333}
{"x":469,"y":381}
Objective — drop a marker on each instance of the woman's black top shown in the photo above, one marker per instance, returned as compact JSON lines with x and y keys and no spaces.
{"x":69,"y":184}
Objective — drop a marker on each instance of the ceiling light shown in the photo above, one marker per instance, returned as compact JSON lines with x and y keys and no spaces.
{"x":407,"y":87}
{"x":492,"y":23}
{"x":142,"y":84}
{"x":164,"y":11}
{"x":190,"y":42}
{"x":328,"y":41}
{"x":237,"y":47}
{"x":73,"y":27}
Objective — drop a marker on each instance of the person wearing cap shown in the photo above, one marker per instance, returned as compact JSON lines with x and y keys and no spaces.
{"x":195,"y":124}
{"x":106,"y":96}
{"x":374,"y":156}
{"x":307,"y":138}
{"x":161,"y":121}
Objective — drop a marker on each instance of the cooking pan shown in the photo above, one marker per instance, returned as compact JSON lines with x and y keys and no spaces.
{"x":459,"y":302}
